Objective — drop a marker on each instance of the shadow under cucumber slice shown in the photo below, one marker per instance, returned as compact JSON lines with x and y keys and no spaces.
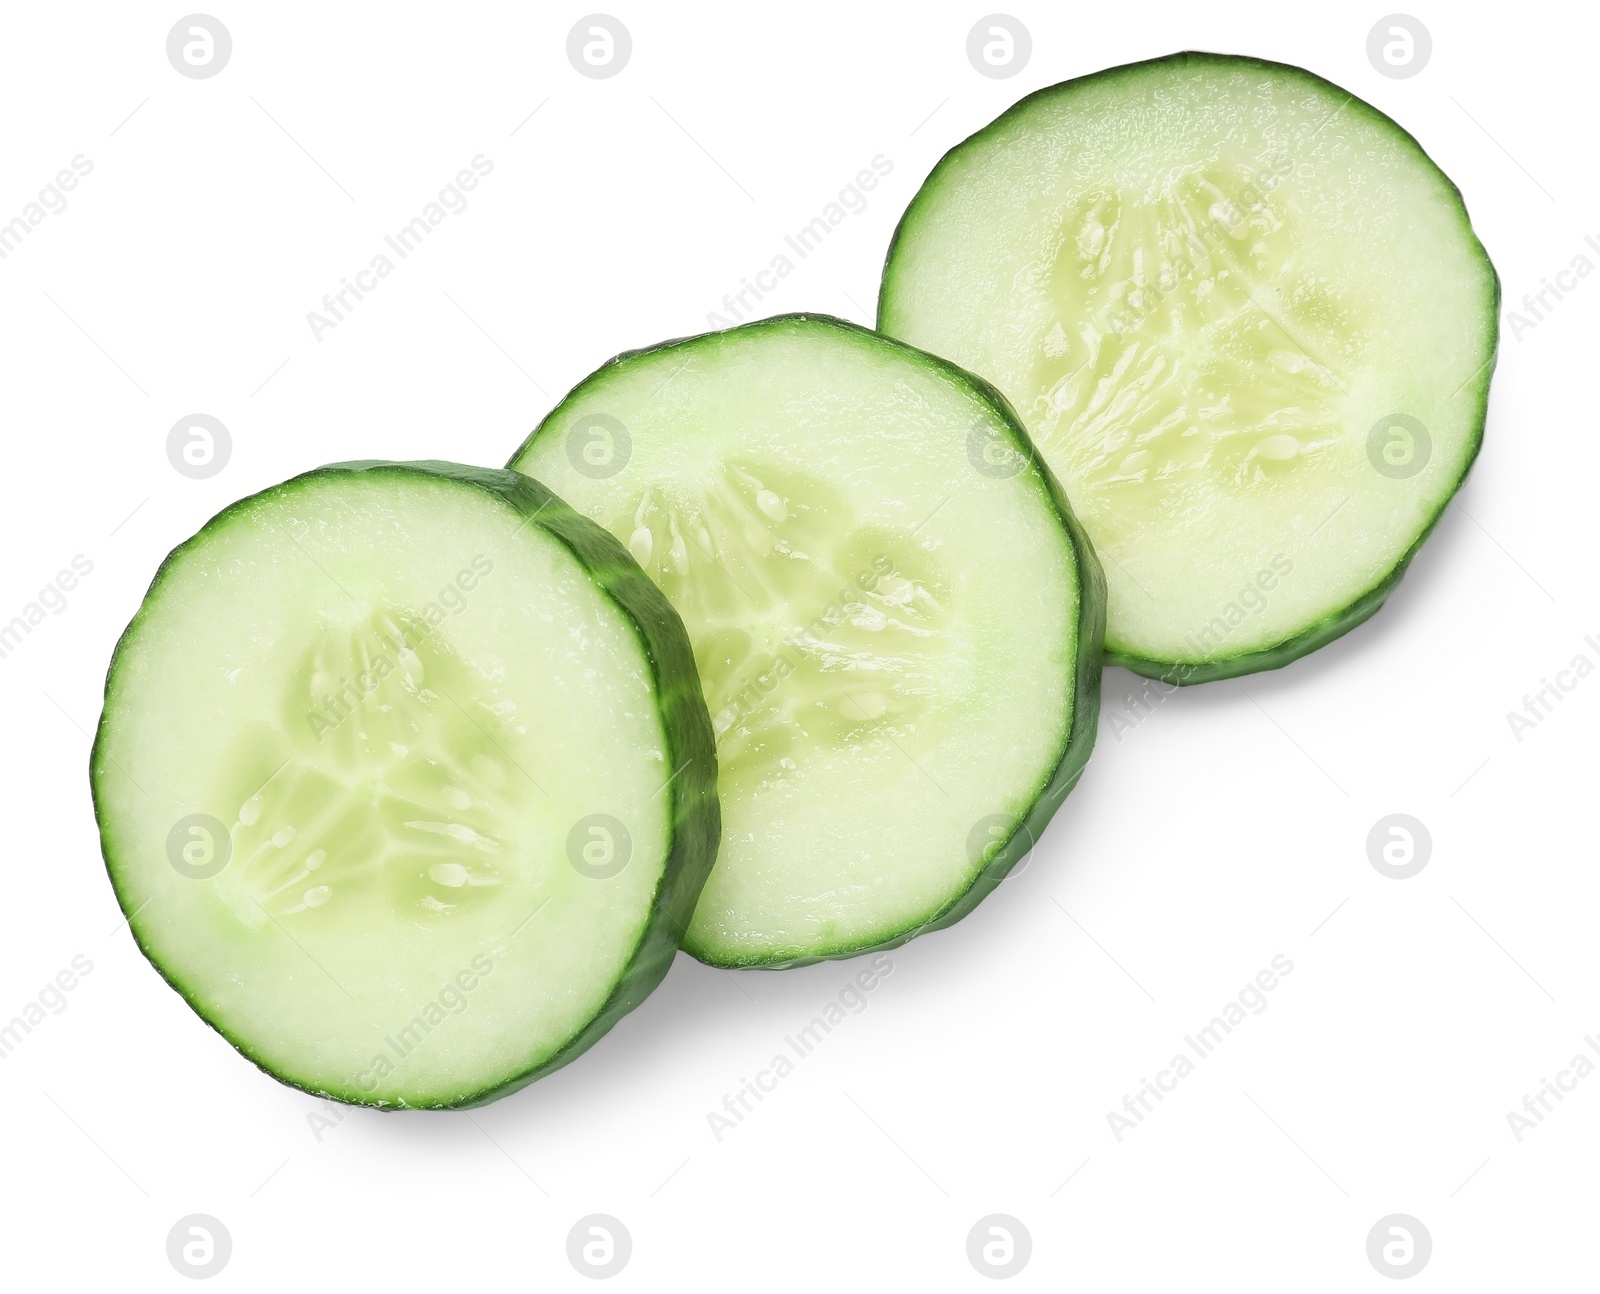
{"x":897,"y":620}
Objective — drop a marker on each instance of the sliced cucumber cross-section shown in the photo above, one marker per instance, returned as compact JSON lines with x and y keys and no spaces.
{"x":1245,"y":319}
{"x":405,"y":782}
{"x":896,"y":619}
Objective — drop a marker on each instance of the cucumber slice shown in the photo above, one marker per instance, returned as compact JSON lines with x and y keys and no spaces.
{"x":897,"y":620}
{"x":405,"y":782}
{"x":1245,"y":319}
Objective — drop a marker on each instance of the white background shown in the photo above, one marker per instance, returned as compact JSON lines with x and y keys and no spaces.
{"x":1225,"y":828}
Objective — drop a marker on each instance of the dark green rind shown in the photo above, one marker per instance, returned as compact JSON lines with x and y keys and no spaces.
{"x":696,"y":822}
{"x":1341,"y":621}
{"x":1091,"y":618}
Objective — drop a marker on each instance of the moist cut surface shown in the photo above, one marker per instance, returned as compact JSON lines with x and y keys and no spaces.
{"x":1246,"y":321}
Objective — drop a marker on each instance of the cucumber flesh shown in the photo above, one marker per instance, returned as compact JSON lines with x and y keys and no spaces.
{"x":1245,"y":319}
{"x":896,"y":620}
{"x":365,"y":751}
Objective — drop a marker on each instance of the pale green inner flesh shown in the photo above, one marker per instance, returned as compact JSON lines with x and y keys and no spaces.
{"x":808,"y":627}
{"x":1202,"y":287}
{"x":885,"y":635}
{"x":1182,"y":379}
{"x":390,"y":803}
{"x":399,"y":702}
